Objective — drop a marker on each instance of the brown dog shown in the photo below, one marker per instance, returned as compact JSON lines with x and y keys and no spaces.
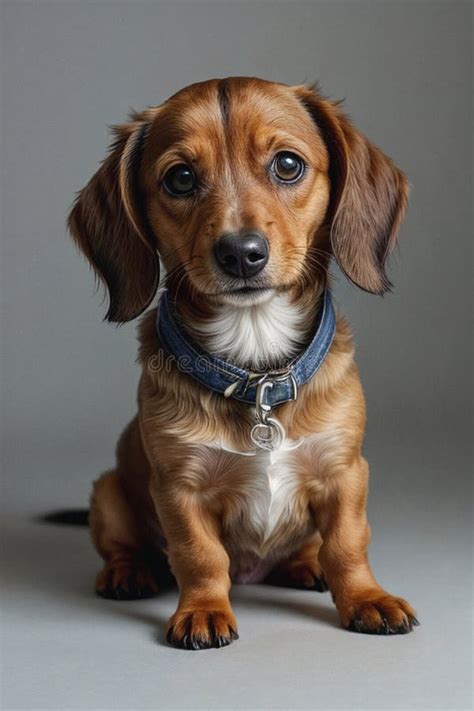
{"x":246,"y":189}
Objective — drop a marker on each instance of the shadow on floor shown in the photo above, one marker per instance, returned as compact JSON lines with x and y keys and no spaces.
{"x":59,"y":563}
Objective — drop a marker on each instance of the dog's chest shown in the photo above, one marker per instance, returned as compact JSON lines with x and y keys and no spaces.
{"x":271,"y":508}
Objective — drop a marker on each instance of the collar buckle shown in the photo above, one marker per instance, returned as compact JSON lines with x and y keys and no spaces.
{"x":268,"y":381}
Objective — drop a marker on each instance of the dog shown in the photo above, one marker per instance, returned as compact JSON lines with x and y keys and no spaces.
{"x":244,"y":461}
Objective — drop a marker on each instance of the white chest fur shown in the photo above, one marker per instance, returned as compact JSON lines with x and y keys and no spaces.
{"x":256,"y":335}
{"x":270,"y":506}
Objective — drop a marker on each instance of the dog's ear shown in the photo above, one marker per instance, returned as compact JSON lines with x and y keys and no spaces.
{"x":368,"y":196}
{"x":109,"y":225}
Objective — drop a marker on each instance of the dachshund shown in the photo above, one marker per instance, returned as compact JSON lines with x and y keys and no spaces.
{"x":243,"y":463}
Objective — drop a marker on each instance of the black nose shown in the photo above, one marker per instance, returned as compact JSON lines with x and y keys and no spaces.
{"x":242,"y":255}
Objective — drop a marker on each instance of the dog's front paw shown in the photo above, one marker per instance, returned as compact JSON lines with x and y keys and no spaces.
{"x":202,"y":629}
{"x":378,"y":613}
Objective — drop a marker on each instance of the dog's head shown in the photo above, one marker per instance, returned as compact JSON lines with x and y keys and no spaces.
{"x":244,"y":187}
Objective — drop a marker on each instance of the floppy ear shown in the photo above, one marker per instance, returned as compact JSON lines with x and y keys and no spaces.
{"x":108,"y":223}
{"x":368,"y":196}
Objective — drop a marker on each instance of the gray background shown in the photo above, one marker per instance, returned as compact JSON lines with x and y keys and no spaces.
{"x":71,"y":68}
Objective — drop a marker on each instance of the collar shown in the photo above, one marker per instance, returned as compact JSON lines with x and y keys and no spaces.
{"x":264,"y":389}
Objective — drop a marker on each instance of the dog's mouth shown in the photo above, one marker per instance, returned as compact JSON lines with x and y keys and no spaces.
{"x":244,"y":290}
{"x":247,"y":295}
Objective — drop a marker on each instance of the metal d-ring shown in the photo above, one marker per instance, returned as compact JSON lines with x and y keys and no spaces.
{"x":267,"y":435}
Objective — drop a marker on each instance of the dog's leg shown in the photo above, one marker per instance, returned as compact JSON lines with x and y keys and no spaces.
{"x":125,"y":575}
{"x":363,"y":605}
{"x":200,"y":563}
{"x":302,"y":569}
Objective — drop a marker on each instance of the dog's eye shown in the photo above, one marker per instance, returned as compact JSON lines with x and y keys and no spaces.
{"x":288,"y":167}
{"x":180,"y":180}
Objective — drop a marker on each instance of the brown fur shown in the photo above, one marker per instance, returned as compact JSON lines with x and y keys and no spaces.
{"x":174,"y":487}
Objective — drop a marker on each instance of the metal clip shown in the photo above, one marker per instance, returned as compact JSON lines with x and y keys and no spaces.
{"x":261,"y":406}
{"x":268,"y":433}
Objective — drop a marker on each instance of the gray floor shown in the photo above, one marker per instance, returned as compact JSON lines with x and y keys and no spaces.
{"x":65,"y":649}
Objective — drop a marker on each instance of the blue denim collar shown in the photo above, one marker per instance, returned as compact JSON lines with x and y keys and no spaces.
{"x":226,"y":378}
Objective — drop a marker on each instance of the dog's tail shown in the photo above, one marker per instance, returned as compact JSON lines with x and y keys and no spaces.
{"x":67,"y":517}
